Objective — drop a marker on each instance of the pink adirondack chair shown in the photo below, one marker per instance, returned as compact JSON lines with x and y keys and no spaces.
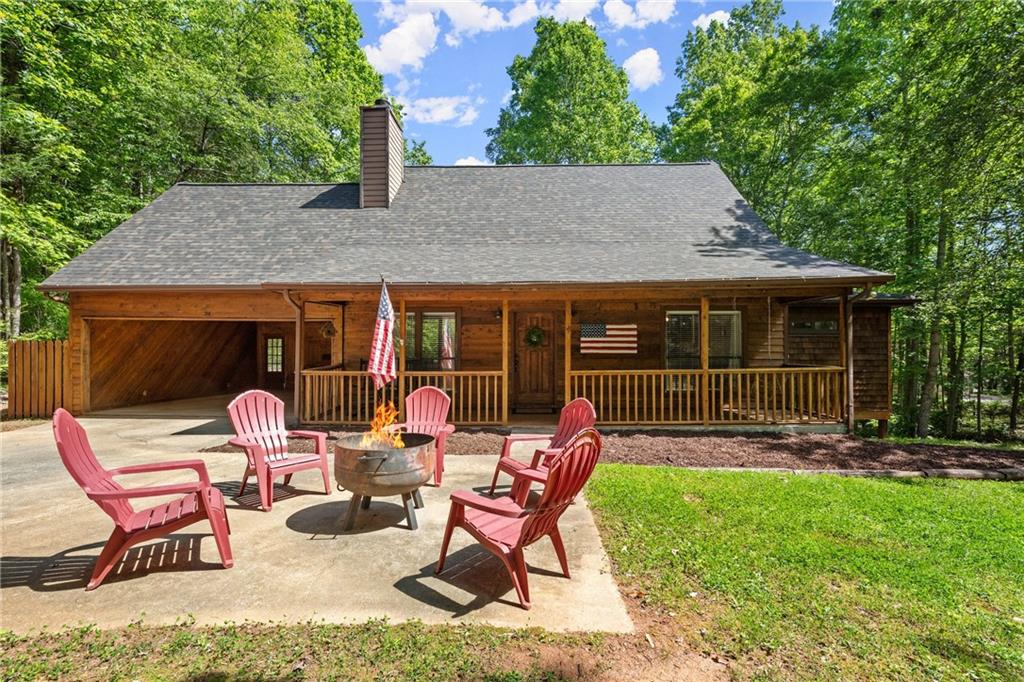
{"x":505,"y":527}
{"x":258,"y":418}
{"x":200,"y":499}
{"x":426,"y":411}
{"x":578,"y":415}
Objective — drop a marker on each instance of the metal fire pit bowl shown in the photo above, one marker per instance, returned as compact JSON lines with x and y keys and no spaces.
{"x":382,"y":472}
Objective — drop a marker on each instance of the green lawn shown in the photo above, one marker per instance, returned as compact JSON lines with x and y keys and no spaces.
{"x":826,"y":577}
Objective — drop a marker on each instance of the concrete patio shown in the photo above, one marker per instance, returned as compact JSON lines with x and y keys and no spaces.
{"x":291,"y":565}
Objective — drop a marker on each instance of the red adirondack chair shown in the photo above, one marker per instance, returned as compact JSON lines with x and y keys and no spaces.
{"x":505,"y":527}
{"x":200,"y":501}
{"x":426,"y":411}
{"x":258,"y":418}
{"x":575,"y":417}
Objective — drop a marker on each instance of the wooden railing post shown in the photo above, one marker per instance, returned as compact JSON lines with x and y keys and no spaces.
{"x":705,"y":342}
{"x":401,"y":357}
{"x":504,"y":361}
{"x":848,"y":314}
{"x":567,"y":325}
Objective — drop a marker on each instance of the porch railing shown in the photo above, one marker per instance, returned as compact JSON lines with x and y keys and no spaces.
{"x":332,"y":396}
{"x":770,"y":395}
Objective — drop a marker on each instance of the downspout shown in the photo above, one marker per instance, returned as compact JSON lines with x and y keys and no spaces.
{"x":859,"y":296}
{"x":297,"y":354}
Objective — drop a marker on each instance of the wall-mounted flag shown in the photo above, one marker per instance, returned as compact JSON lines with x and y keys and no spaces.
{"x":598,"y":337}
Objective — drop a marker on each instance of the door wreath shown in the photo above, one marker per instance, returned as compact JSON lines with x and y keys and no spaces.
{"x":534,"y":336}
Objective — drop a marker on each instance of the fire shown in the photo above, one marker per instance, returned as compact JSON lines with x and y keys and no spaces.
{"x":380,"y":433}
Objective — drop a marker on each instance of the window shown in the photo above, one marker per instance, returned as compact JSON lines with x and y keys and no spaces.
{"x":682,"y":339}
{"x":431,"y":341}
{"x":813,"y":321}
{"x":275,"y":354}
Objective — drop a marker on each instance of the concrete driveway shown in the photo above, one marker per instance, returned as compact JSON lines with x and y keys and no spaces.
{"x":292,"y":564}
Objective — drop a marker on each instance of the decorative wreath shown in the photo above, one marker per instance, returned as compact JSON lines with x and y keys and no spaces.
{"x":534,"y":336}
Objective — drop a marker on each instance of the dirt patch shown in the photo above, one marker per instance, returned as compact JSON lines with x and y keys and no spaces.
{"x":16,"y":424}
{"x":784,"y":450}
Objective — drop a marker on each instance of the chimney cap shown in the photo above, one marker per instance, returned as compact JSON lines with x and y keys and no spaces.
{"x":382,"y":102}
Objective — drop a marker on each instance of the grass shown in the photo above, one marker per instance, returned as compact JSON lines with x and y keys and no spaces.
{"x":1012,"y":445}
{"x":823,"y":577}
{"x":370,"y":651}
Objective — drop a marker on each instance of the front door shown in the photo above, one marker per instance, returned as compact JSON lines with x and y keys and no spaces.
{"x":534,"y":362}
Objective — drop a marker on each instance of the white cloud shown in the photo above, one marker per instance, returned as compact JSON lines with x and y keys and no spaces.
{"x":644,"y":68}
{"x":405,"y":45}
{"x":458,"y":110}
{"x":622,"y":15}
{"x":570,"y":10}
{"x":471,"y":161}
{"x":522,"y":13}
{"x":704,"y":20}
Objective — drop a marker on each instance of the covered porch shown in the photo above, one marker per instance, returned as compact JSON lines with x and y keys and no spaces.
{"x":643,"y":357}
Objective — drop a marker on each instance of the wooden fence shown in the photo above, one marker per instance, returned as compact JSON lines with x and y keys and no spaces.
{"x":37,"y":378}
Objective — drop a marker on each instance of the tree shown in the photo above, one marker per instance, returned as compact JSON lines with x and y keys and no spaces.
{"x":105,"y":105}
{"x":569,"y":104}
{"x":416,"y":154}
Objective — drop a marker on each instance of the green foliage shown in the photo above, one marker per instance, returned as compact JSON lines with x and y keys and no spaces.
{"x":570,"y":104}
{"x":107,"y":105}
{"x":825,"y":577}
{"x":894,"y":140}
{"x":416,"y":154}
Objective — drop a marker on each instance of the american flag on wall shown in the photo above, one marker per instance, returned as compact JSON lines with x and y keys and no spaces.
{"x":382,"y":352}
{"x":598,"y":337}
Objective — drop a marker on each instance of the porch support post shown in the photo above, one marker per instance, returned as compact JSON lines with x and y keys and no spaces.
{"x":297,"y":352}
{"x":567,"y":325}
{"x":504,"y":361}
{"x":705,"y":344}
{"x":841,"y":327}
{"x":848,"y":314}
{"x":401,"y":356}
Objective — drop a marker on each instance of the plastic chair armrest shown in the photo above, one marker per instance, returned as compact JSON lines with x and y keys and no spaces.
{"x":471,"y":499}
{"x":197,"y":465}
{"x":151,"y":491}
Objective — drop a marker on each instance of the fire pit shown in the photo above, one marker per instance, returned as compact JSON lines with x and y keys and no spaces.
{"x":380,"y":470}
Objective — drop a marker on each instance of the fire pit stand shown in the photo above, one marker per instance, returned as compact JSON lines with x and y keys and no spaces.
{"x":377,"y":471}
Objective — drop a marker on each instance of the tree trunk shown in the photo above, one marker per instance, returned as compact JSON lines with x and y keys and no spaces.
{"x":955,"y":399}
{"x":10,"y":289}
{"x":981,"y":366}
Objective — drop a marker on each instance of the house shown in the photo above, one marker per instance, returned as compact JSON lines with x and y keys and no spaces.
{"x":653,"y":290}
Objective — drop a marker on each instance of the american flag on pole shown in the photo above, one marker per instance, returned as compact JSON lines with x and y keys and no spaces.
{"x":447,"y":350}
{"x":382,"y":353}
{"x":598,"y":337}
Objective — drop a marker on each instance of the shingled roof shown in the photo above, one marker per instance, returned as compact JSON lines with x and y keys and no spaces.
{"x":454,"y":225}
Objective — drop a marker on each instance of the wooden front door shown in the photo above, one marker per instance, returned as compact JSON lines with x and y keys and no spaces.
{"x":273,"y":362}
{"x":533,"y":366}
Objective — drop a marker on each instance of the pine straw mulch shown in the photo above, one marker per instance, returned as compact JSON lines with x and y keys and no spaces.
{"x":782,"y":450}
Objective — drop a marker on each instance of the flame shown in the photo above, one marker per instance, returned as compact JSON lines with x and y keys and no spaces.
{"x":379,"y":434}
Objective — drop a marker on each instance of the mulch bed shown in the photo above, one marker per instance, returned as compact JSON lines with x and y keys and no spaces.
{"x":783,"y":450}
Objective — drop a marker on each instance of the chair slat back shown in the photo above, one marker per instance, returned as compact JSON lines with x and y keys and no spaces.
{"x":260,"y":416}
{"x":576,"y":416}
{"x":568,"y":473}
{"x":426,"y":410}
{"x":80,"y":461}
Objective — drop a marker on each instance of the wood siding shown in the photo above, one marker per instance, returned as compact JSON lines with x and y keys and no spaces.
{"x":37,"y":378}
{"x":872,"y":363}
{"x":382,"y":157}
{"x":140,"y":361}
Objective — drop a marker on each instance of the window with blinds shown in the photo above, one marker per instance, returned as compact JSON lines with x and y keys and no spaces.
{"x":432,"y":341}
{"x":682,"y":339}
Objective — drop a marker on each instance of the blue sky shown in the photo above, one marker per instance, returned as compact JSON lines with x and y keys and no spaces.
{"x":445,"y":60}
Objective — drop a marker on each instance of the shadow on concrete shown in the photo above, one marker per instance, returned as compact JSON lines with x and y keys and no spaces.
{"x":250,"y":501}
{"x":472,"y":570}
{"x":70,"y":570}
{"x":323,"y":521}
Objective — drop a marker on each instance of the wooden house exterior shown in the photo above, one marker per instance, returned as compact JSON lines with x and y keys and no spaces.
{"x":215,"y":289}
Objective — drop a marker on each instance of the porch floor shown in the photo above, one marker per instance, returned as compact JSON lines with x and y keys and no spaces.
{"x":292,"y":564}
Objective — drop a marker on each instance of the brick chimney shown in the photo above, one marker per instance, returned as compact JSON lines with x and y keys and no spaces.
{"x":381,"y":155}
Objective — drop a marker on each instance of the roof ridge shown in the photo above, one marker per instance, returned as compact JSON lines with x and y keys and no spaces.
{"x":569,"y":165}
{"x":264,"y":184}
